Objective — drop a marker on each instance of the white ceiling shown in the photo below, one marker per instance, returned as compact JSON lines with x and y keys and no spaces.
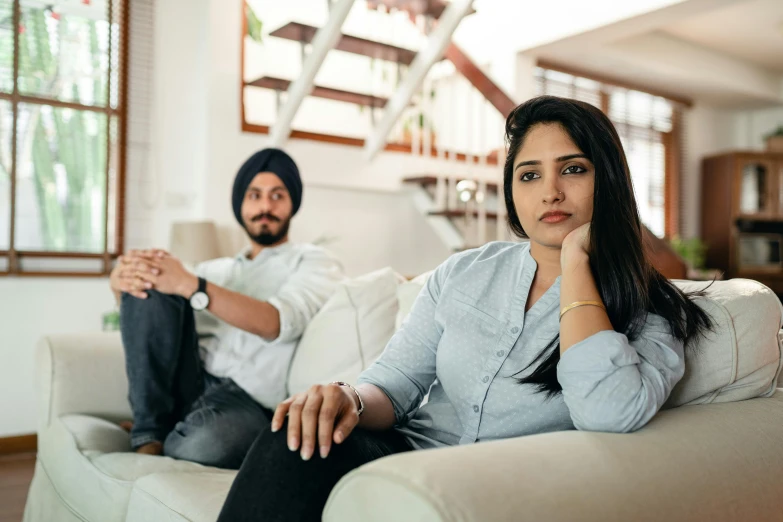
{"x":722,"y":52}
{"x":751,"y":31}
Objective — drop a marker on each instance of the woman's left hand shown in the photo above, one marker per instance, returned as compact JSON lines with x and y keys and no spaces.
{"x":576,"y":245}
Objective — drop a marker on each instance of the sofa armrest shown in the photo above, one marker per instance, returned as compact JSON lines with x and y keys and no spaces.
{"x":721,"y":462}
{"x":82,"y":373}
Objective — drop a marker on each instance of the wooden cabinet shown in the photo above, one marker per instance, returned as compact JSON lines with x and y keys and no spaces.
{"x":742,"y":215}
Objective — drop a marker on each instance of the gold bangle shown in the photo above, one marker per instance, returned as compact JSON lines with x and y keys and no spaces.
{"x":577,"y":304}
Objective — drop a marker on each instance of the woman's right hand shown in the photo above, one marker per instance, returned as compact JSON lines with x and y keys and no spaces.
{"x":320,"y":415}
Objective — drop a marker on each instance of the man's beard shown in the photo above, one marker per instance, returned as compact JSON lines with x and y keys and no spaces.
{"x":266,"y":237}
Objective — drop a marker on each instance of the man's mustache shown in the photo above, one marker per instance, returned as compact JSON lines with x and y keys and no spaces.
{"x":270,"y":217}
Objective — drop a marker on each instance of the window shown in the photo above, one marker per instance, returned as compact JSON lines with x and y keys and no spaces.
{"x":647,"y":125}
{"x":61,"y":135}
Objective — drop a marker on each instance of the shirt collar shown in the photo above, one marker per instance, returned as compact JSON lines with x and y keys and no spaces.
{"x":243,"y":254}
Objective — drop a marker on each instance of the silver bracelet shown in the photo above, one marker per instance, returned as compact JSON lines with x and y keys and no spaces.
{"x":358,"y":395}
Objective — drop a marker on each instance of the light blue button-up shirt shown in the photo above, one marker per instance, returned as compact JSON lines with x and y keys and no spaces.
{"x":468,"y":337}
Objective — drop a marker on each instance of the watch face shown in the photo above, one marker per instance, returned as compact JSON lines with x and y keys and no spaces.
{"x":199,"y":301}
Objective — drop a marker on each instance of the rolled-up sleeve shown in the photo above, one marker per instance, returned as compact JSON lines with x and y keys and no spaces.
{"x":613,"y":385}
{"x":406,"y":369}
{"x":304,"y":293}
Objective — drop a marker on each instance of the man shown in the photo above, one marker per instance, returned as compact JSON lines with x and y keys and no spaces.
{"x":206,"y":399}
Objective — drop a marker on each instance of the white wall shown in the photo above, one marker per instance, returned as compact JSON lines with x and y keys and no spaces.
{"x":29,"y":309}
{"x":750,"y":127}
{"x":707,"y":131}
{"x":370,"y":230}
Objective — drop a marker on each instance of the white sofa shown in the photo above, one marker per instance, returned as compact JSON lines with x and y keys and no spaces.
{"x":718,"y":458}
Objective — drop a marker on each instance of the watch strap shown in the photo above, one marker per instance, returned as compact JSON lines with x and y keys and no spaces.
{"x":202,"y":287}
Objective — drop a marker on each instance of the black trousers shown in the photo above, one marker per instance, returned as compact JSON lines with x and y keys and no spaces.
{"x":274,"y":484}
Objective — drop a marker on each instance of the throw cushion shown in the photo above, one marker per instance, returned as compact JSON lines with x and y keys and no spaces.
{"x":348,"y":333}
{"x":741,"y":359}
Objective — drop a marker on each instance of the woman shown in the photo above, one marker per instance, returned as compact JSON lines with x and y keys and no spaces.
{"x":573,"y":329}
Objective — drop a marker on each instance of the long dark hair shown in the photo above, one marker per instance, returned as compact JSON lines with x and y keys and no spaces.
{"x":629,"y":285}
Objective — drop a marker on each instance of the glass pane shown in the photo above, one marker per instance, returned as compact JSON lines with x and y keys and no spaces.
{"x":63,"y":51}
{"x":753,"y":189}
{"x":648,"y":171}
{"x":6,"y":45}
{"x":61,"y":176}
{"x":6,"y":128}
{"x":760,"y":251}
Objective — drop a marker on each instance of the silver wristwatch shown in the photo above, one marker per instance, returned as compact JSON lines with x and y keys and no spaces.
{"x":358,"y":395}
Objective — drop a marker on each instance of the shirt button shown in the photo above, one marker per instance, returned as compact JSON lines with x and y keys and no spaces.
{"x":515,"y":330}
{"x":475,"y":408}
{"x":501,"y":353}
{"x":485,"y":379}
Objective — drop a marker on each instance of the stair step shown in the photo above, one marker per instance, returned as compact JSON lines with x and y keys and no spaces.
{"x":433,"y":8}
{"x":349,"y":44}
{"x":278,"y":84}
{"x":426,"y":181}
{"x":461,"y":213}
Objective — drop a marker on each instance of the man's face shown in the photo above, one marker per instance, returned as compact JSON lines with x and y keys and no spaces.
{"x":266,"y":209}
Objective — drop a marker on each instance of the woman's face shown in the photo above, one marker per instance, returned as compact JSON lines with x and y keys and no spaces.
{"x":552,"y":185}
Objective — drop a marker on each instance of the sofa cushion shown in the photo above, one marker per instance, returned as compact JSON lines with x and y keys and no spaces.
{"x":348,"y":333}
{"x":191,"y":497}
{"x":741,"y":359}
{"x":87,"y":454}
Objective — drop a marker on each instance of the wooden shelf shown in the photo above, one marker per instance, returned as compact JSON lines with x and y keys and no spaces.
{"x":759,"y":217}
{"x":429,"y":180}
{"x":328,"y":93}
{"x":349,"y":44}
{"x":461,"y":214}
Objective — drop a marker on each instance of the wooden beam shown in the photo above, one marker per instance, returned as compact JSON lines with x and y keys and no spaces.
{"x":350,"y":44}
{"x":356,"y":98}
{"x":494,"y":94}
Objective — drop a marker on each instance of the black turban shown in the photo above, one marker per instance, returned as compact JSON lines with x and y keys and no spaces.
{"x":268,"y":160}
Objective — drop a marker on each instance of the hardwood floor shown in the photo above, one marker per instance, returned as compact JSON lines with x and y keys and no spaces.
{"x":16,"y":472}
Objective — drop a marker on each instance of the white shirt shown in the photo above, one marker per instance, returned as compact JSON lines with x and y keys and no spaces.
{"x":297,"y":279}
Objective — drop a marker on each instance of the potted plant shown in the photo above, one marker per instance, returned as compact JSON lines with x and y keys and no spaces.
{"x":694,"y":252}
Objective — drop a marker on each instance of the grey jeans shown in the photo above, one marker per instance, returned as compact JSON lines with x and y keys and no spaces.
{"x":197,"y":416}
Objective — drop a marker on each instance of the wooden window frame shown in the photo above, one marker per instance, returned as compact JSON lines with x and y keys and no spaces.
{"x":672,"y":141}
{"x":12,"y":254}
